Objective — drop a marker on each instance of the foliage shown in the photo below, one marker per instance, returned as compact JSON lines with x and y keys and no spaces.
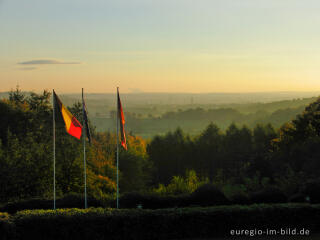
{"x":290,"y":182}
{"x":101,"y":170}
{"x":311,"y":190}
{"x":176,"y":223}
{"x":7,"y":230}
{"x":134,"y":165}
{"x":237,"y":192}
{"x":26,"y":151}
{"x":181,"y":185}
{"x":256,"y":182}
{"x":168,"y":155}
{"x":299,"y":140}
{"x":208,"y":195}
{"x":236,"y":159}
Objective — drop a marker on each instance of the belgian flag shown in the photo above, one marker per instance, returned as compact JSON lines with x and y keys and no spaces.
{"x":72,"y":125}
{"x":122,"y":122}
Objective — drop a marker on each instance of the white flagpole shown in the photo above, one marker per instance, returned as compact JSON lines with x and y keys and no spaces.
{"x":117,"y":147}
{"x":54,"y":151}
{"x":84,"y":154}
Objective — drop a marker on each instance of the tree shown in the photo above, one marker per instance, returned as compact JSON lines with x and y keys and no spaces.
{"x":101,"y":169}
{"x":209,"y":151}
{"x":134,"y":165}
{"x":297,"y":146}
{"x":168,"y":155}
{"x":17,"y":97}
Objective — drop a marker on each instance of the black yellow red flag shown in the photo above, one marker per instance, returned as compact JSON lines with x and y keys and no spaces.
{"x":73,"y":127}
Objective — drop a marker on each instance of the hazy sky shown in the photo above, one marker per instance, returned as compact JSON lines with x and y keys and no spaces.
{"x":160,"y":45}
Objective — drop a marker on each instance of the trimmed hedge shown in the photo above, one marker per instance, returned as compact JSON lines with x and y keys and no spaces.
{"x":176,"y":223}
{"x":68,"y":201}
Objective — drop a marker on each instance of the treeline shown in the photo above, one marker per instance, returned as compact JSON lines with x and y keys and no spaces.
{"x":243,"y":160}
{"x":224,"y":116}
{"x":193,"y":120}
{"x":229,"y":154}
{"x":239,"y":160}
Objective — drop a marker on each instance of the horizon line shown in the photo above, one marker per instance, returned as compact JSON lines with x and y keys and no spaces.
{"x":194,"y":93}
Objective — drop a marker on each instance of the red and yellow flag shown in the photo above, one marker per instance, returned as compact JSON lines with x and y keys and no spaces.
{"x":72,"y":125}
{"x":122,"y":122}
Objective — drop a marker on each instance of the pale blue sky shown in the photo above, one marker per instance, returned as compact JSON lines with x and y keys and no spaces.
{"x":161,"y":46}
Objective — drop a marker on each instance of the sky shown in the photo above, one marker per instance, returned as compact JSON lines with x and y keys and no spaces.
{"x":196,"y":46}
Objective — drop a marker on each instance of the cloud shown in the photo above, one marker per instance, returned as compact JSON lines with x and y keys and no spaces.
{"x":27,"y":68}
{"x":46,"y":61}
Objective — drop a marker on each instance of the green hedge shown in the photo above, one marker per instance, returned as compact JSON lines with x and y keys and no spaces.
{"x":178,"y":223}
{"x":67,"y":201}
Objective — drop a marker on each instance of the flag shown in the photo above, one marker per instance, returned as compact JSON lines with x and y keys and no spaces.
{"x":85,"y":117}
{"x":72,"y":125}
{"x":122,"y":122}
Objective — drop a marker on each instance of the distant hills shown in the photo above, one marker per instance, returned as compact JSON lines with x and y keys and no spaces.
{"x":191,"y":98}
{"x":149,"y":114}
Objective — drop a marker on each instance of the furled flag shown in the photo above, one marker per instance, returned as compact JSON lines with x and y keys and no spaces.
{"x":72,"y":125}
{"x":85,"y":117}
{"x":122,"y":122}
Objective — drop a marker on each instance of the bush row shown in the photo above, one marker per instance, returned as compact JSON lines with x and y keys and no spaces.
{"x":68,"y":201}
{"x":182,"y":223}
{"x":209,"y":195}
{"x":205,"y":195}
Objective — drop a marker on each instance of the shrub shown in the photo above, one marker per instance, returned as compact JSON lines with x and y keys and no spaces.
{"x":312,"y":190}
{"x":170,"y":201}
{"x":132,"y":200}
{"x":181,"y":185}
{"x":36,"y":203}
{"x":76,"y":201}
{"x":236,"y":193}
{"x":240,"y":199}
{"x":153,"y":201}
{"x":268,"y":195}
{"x":208,"y":195}
{"x":6,"y":226}
{"x":4,"y":216}
{"x":298,"y":198}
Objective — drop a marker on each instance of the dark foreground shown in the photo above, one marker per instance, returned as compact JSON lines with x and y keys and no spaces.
{"x":176,"y":223}
{"x":311,"y":237}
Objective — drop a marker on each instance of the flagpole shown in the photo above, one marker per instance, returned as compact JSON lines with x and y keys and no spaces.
{"x":54,"y":151}
{"x":84,"y":155}
{"x":117,"y":147}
